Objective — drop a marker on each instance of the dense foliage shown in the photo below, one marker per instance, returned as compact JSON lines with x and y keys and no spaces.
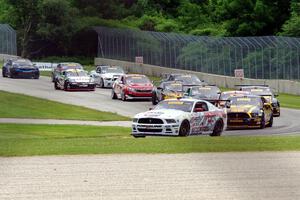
{"x":53,"y":24}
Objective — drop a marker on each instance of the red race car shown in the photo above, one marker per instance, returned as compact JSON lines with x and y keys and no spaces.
{"x":132,"y":86}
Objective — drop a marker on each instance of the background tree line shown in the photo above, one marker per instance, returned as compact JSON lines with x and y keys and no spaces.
{"x":47,"y":27}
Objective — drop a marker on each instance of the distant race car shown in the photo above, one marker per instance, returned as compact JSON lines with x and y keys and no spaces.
{"x":132,"y":86}
{"x":224,"y":96}
{"x":74,"y":79}
{"x":249,"y":111}
{"x":180,"y":117}
{"x":187,"y":80}
{"x":105,"y":76}
{"x":64,"y":66}
{"x":209,"y":93}
{"x":265,"y":91}
{"x":167,"y":90}
{"x":20,"y":68}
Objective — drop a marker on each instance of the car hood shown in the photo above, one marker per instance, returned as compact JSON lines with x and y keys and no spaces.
{"x":79,"y":79}
{"x":141,"y":86}
{"x":162,"y":113}
{"x":111,"y":75}
{"x":243,"y":109}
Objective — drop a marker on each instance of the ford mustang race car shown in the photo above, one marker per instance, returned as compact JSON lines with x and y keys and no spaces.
{"x":205,"y":92}
{"x":167,"y":90}
{"x":224,"y":96}
{"x":62,"y":67}
{"x":181,"y":117}
{"x":74,"y":79}
{"x":249,"y":111}
{"x":20,"y":68}
{"x":266,"y":92}
{"x":105,"y":76}
{"x":132,"y":86}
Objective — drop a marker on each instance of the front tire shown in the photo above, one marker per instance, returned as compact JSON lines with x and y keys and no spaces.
{"x":56,"y":86}
{"x":270,"y":124}
{"x":66,"y":86}
{"x":154,"y":99}
{"x":123,"y":96}
{"x":263,"y":122}
{"x":184,"y":129}
{"x":4,"y":72}
{"x":113,"y":94}
{"x":101,"y":83}
{"x":217,"y":129}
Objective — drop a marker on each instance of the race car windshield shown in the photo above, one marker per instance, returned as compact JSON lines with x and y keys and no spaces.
{"x":23,"y":63}
{"x":225,"y":96}
{"x":137,"y":79}
{"x":76,"y":73}
{"x":185,"y":106}
{"x":205,"y":90}
{"x":258,"y":91}
{"x":71,"y":66}
{"x":188,"y":79}
{"x":238,"y":101}
{"x":174,"y":87}
{"x":113,"y":70}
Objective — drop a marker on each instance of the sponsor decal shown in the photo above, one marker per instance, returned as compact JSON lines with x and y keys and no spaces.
{"x":45,"y":66}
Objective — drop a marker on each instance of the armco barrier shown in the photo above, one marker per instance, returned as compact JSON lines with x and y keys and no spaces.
{"x":283,"y":86}
{"x":4,"y":57}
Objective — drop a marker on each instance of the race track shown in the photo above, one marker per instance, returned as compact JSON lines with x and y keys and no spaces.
{"x":214,"y":176}
{"x":288,"y":123}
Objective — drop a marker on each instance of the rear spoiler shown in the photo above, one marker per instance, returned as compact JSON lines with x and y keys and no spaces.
{"x":263,"y":85}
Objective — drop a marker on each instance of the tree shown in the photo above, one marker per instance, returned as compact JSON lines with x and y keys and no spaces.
{"x":26,"y":18}
{"x":292,"y":26}
{"x":56,"y":26}
{"x":252,"y":17}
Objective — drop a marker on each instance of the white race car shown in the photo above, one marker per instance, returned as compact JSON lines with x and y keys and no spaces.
{"x":105,"y":76}
{"x":181,"y":117}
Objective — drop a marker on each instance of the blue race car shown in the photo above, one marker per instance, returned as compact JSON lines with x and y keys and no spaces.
{"x":20,"y":68}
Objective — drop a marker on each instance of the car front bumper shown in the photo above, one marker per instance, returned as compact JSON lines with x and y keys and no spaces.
{"x":155,"y":129}
{"x":243,"y":123}
{"x":82,"y":86}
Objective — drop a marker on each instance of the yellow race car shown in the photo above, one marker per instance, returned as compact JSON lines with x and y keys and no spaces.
{"x":167,"y":90}
{"x":249,"y":111}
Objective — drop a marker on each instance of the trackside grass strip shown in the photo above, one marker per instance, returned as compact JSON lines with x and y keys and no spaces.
{"x":22,"y":106}
{"x":28,"y":140}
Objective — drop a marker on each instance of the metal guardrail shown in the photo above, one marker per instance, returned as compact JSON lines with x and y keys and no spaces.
{"x":267,"y":57}
{"x":8,"y":40}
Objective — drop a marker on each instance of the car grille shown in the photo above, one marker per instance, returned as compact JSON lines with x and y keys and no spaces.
{"x":150,"y":121}
{"x":143,"y":91}
{"x":237,"y":115}
{"x":149,"y":130}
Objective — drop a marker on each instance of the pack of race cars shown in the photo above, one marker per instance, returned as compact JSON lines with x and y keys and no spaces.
{"x":183,"y":104}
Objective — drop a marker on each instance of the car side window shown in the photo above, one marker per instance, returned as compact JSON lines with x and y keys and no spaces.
{"x":98,"y":70}
{"x":200,"y":107}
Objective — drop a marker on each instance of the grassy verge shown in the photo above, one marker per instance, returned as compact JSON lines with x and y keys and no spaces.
{"x":27,"y":140}
{"x":289,"y":101}
{"x":22,"y":106}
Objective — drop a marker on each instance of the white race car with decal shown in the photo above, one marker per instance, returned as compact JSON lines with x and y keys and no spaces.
{"x":105,"y":76}
{"x":181,"y":117}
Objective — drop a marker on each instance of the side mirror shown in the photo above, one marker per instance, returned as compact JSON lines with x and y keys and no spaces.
{"x":227,"y":105}
{"x":151,"y":108}
{"x":276,"y":95}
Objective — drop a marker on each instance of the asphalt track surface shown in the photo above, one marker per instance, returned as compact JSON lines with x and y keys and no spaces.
{"x":215,"y":176}
{"x":288,"y":123}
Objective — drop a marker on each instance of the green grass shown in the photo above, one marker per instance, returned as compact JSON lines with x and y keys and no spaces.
{"x":289,"y":101}
{"x":22,"y":106}
{"x":28,"y":140}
